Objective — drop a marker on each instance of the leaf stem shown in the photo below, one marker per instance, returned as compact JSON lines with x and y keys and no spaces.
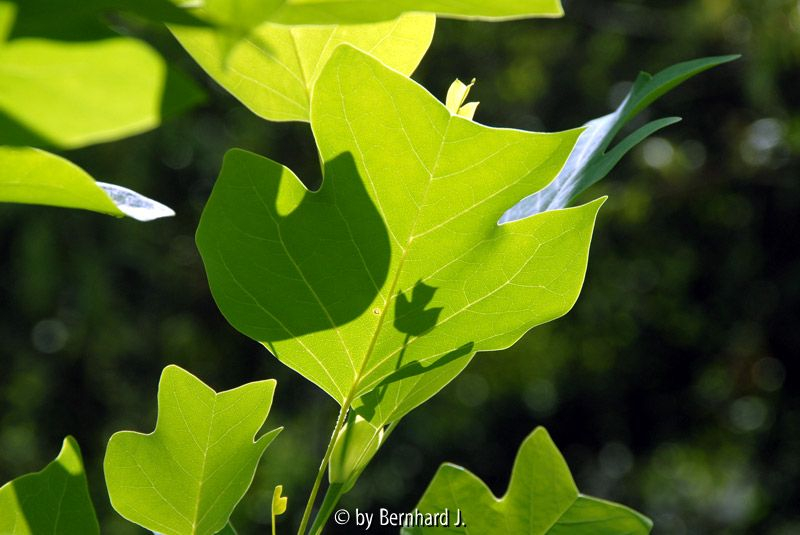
{"x":323,"y":466}
{"x":332,"y":496}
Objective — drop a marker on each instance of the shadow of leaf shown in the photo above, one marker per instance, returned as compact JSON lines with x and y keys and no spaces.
{"x":369,"y":402}
{"x":410,"y":315}
{"x":284,"y":261}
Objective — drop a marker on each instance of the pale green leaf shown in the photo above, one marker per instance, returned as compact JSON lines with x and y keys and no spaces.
{"x":273,"y":70}
{"x":591,"y":160}
{"x":279,"y":502}
{"x":356,"y":444}
{"x":238,"y":17}
{"x":33,"y":176}
{"x":456,"y":97}
{"x":188,"y":475}
{"x":72,"y":94}
{"x":54,"y":500}
{"x":541,"y":499}
{"x":457,"y":94}
{"x":389,"y":279}
{"x":361,"y":11}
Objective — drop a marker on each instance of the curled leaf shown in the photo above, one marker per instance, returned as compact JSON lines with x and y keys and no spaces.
{"x":34,"y":176}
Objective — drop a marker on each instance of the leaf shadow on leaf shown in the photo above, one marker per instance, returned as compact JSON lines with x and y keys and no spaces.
{"x":314,"y":259}
{"x":15,"y":134}
{"x":28,"y":495}
{"x":410,"y":316}
{"x":370,"y":401}
{"x":55,"y":499}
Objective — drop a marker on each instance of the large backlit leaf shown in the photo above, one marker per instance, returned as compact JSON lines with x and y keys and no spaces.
{"x":389,"y":279}
{"x":188,"y":475}
{"x":54,"y":500}
{"x":72,"y":94}
{"x":33,"y":176}
{"x":591,"y":160}
{"x":241,"y":12}
{"x":542,"y":499}
{"x":273,"y":69}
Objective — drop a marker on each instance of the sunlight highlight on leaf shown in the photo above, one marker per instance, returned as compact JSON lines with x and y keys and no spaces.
{"x":188,"y":475}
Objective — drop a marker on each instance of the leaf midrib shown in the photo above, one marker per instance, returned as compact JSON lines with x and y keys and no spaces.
{"x":195,"y":520}
{"x":404,"y":247}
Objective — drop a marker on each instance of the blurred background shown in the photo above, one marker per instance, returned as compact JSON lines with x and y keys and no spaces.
{"x":674,"y":384}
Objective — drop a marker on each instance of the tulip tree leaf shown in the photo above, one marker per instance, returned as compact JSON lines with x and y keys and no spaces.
{"x":72,"y":94}
{"x":542,"y":499}
{"x":360,"y":11}
{"x":188,"y":475}
{"x":269,"y":53}
{"x":591,"y":160}
{"x":33,"y":176}
{"x":410,"y":200}
{"x":54,"y":500}
{"x":246,"y":13}
{"x":273,"y":69}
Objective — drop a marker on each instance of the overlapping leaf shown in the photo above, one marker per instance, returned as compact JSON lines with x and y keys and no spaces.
{"x":243,"y":12}
{"x":410,"y":199}
{"x":71,"y":94}
{"x":542,"y":499}
{"x":54,"y":500}
{"x":33,"y":176}
{"x":590,"y":162}
{"x":64,"y":20}
{"x":273,"y":69}
{"x":189,"y":474}
{"x":268,"y":54}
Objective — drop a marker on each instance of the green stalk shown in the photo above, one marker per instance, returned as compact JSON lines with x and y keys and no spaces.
{"x":312,"y":498}
{"x":335,"y":492}
{"x":332,"y":497}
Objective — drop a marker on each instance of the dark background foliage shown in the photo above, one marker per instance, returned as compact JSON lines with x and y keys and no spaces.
{"x":673,"y":384}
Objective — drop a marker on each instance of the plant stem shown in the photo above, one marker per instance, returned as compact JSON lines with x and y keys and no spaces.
{"x":335,"y":492}
{"x":332,"y":496}
{"x":322,"y":467}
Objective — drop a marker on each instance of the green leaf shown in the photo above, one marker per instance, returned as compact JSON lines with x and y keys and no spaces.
{"x":278,"y":502}
{"x":591,"y":160}
{"x":88,"y":19}
{"x":541,"y":499}
{"x":188,"y":475}
{"x":274,"y":69}
{"x":361,"y":11}
{"x":54,"y":500}
{"x":33,"y":176}
{"x":410,"y":199}
{"x":356,"y":444}
{"x":243,"y":15}
{"x":72,"y":94}
{"x":456,"y":97}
